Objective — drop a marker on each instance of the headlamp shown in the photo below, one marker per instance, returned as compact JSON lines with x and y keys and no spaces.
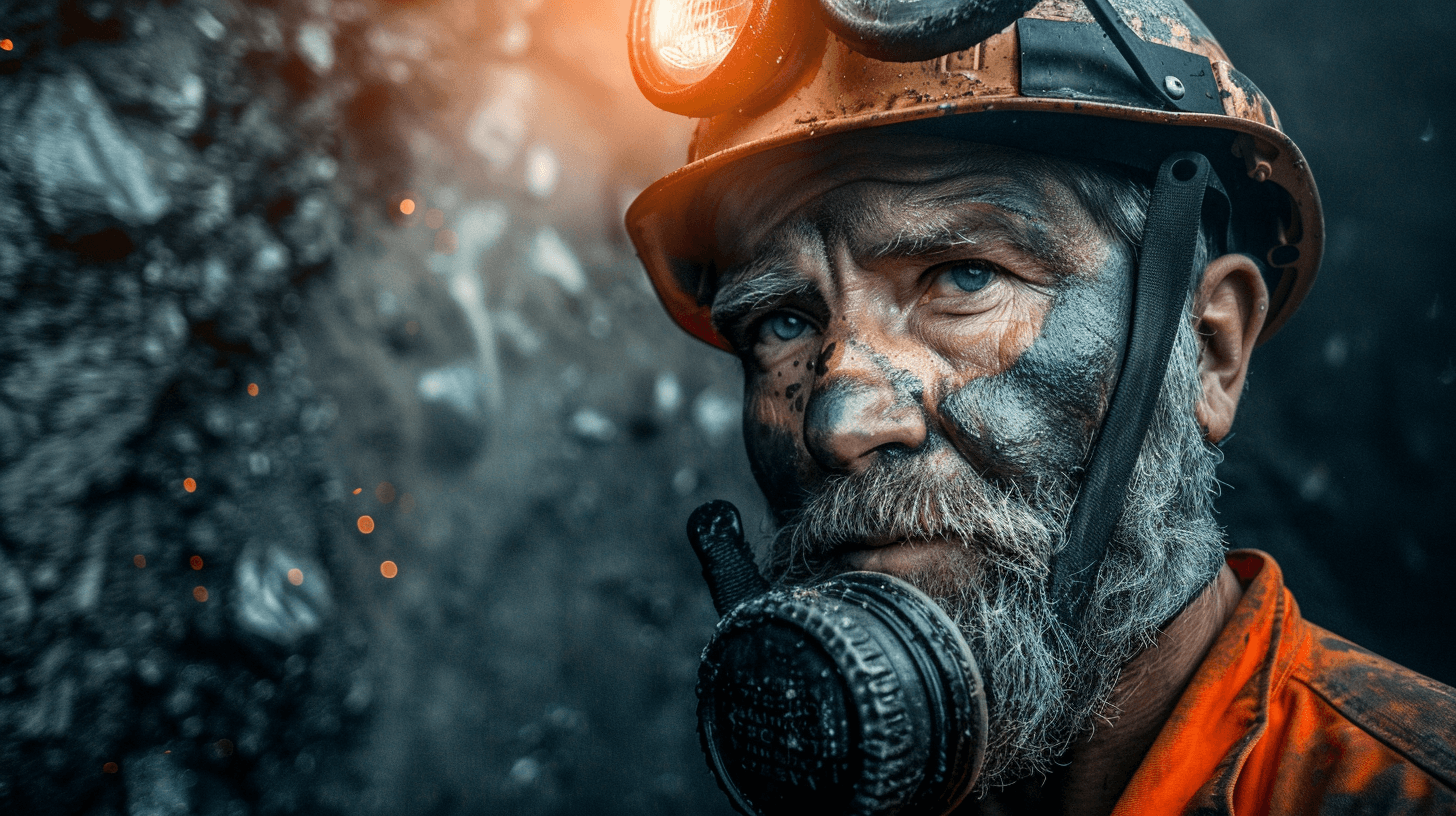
{"x":701,"y":57}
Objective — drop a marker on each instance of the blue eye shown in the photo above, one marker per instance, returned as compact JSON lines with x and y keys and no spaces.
{"x":970,"y":277}
{"x":783,"y":325}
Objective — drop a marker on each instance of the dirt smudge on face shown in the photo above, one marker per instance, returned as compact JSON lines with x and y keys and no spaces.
{"x":1043,"y":412}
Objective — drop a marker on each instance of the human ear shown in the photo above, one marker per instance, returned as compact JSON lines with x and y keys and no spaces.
{"x":1229,"y":311}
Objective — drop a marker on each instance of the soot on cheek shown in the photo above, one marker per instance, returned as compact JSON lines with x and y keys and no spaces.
{"x":778,"y":464}
{"x":1039,"y":415}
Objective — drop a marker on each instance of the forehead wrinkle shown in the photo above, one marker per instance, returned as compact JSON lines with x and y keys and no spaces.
{"x":924,"y":221}
{"x":921,"y":233}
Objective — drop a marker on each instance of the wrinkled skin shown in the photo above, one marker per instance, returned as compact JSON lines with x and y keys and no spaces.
{"x":961,"y":311}
{"x":893,"y":348}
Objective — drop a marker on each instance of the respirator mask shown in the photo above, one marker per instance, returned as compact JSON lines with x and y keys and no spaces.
{"x":855,"y":695}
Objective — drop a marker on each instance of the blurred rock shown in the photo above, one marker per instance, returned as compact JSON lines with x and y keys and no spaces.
{"x":281,"y":597}
{"x":75,"y":153}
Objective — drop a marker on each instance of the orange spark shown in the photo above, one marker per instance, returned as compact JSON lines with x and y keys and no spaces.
{"x":252,"y":389}
{"x":189,"y":484}
{"x":366,"y":524}
{"x":200,"y":593}
{"x":7,"y":45}
{"x":407,"y":206}
{"x":196,"y":562}
{"x":295,"y":576}
{"x":358,"y":490}
{"x":139,"y":560}
{"x":388,"y":569}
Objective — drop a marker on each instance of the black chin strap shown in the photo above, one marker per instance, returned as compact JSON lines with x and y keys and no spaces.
{"x":1164,"y":276}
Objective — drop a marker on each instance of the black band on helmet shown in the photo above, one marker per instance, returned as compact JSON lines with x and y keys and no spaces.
{"x":901,"y":31}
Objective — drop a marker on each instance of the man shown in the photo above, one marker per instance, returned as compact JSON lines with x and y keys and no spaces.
{"x":990,"y":346}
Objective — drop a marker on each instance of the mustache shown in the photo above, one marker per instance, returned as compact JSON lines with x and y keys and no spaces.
{"x":930,"y":493}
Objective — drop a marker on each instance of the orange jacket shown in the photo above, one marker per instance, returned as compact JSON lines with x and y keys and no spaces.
{"x":1284,"y":717}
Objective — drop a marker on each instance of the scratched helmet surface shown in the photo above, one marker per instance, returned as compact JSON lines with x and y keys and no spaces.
{"x":1044,"y":76}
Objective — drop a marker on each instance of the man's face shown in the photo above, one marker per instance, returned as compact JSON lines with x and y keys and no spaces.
{"x":930,"y":333}
{"x":917,"y":302}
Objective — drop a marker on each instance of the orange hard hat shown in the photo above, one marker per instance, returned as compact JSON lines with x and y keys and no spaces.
{"x":1127,"y":81}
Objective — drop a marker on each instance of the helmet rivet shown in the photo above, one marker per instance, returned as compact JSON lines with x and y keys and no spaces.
{"x":1174,"y":86}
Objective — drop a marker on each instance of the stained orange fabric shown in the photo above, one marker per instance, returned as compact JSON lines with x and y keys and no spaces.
{"x":1284,"y":717}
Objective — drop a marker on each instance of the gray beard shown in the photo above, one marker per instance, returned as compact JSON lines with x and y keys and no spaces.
{"x":1047,"y":684}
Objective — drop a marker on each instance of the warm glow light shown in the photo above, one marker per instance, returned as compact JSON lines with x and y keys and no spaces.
{"x":358,"y":490}
{"x":388,"y":569}
{"x":252,"y":389}
{"x":690,"y":38}
{"x":139,"y":560}
{"x":200,"y":593}
{"x":295,"y":576}
{"x":189,"y":484}
{"x":366,"y":524}
{"x":407,"y":206}
{"x":196,"y":562}
{"x":7,"y":45}
{"x":109,"y":767}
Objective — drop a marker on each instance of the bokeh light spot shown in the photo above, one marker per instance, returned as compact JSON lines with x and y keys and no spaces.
{"x":139,"y":560}
{"x":434,"y":219}
{"x":252,"y":389}
{"x":196,"y":562}
{"x":388,"y":569}
{"x":384,"y":491}
{"x":358,"y":490}
{"x":407,"y":206}
{"x":109,"y":767}
{"x":295,"y":576}
{"x":200,"y":594}
{"x":7,"y":45}
{"x":366,"y":524}
{"x":189,"y":484}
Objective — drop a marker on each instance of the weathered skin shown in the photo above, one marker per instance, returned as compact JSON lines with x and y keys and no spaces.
{"x":844,"y":292}
{"x":1013,"y":376}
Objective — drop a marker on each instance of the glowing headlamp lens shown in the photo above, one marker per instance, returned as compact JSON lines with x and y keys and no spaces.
{"x":690,"y":38}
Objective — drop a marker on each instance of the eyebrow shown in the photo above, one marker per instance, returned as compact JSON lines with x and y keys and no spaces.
{"x":751,"y":287}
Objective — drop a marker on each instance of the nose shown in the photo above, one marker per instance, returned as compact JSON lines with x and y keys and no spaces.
{"x":857,"y":411}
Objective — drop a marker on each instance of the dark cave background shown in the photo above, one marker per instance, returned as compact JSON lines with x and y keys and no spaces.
{"x":199,"y":195}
